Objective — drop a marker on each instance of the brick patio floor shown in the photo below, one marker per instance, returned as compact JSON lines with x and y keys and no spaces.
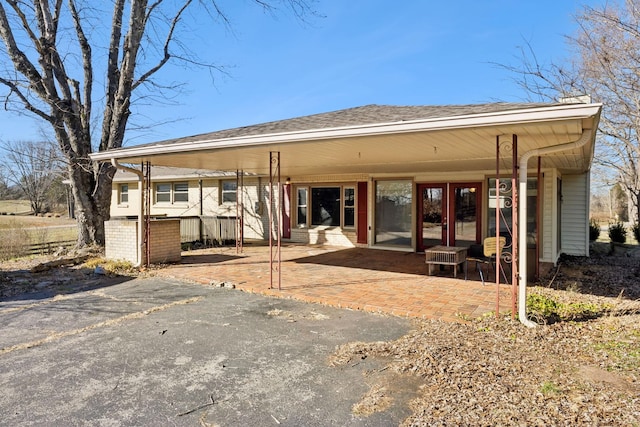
{"x":361,"y":279}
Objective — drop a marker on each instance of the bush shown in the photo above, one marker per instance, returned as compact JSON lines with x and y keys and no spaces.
{"x":111,"y":267}
{"x":547,"y":310}
{"x":594,"y":230}
{"x":617,"y":233}
{"x":635,"y":229}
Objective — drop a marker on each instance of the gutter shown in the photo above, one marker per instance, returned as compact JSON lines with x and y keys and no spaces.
{"x":522,"y":219}
{"x":139,"y":240}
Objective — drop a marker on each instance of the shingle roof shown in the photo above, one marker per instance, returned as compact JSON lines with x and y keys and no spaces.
{"x":357,"y":116}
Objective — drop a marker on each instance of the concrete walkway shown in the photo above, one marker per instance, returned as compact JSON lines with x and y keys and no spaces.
{"x":361,"y":279}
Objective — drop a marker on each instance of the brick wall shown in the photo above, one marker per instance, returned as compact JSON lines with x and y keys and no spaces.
{"x":121,"y":240}
{"x":165,"y":241}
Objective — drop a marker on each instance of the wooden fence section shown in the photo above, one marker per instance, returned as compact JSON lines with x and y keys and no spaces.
{"x":207,"y":229}
{"x":48,"y":247}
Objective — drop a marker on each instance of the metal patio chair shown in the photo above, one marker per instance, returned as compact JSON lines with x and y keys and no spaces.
{"x":485,"y":255}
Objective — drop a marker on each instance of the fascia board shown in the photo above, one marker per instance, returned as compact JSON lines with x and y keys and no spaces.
{"x":522,"y":117}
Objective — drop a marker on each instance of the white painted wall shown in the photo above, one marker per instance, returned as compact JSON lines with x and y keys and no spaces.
{"x":211,"y":205}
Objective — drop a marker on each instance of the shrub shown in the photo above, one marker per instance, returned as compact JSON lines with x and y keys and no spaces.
{"x":594,"y":230}
{"x":547,"y":310}
{"x":617,"y":232}
{"x":635,"y":229}
{"x":111,"y":267}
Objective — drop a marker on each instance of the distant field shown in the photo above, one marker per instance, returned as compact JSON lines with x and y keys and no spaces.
{"x":19,"y":229}
{"x":15,"y":206}
{"x":10,"y":221}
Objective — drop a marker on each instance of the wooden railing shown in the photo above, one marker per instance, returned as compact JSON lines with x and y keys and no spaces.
{"x":48,"y":247}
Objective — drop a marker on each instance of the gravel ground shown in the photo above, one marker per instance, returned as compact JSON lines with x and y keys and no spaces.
{"x":489,"y":371}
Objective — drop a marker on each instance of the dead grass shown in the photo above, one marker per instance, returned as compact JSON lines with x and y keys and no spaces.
{"x":10,"y":221}
{"x":18,"y":233}
{"x":499,"y":372}
{"x":14,"y":206}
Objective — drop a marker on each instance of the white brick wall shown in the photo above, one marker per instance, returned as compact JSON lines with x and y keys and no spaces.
{"x":121,"y":240}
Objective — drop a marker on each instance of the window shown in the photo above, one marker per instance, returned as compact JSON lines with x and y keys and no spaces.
{"x":349,"y":206}
{"x":328,"y":206}
{"x":303,"y":194}
{"x":325,"y":206}
{"x":163,"y":193}
{"x":181,"y":192}
{"x":177,"y":192}
{"x":124,"y":194}
{"x":229,"y":192}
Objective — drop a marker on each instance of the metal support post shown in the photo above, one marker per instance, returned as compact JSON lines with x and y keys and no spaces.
{"x":239,"y":211}
{"x":275,"y":219}
{"x":146,"y":169}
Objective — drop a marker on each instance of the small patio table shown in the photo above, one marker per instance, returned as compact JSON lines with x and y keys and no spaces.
{"x":445,"y":255}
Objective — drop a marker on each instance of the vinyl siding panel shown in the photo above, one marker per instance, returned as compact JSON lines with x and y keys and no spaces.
{"x":575,"y":214}
{"x":548,"y":215}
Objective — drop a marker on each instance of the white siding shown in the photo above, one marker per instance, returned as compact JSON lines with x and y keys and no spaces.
{"x":548,"y":252}
{"x":575,"y":215}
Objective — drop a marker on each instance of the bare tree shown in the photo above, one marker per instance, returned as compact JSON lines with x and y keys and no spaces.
{"x":606,"y":66}
{"x":33,"y":167}
{"x":51,"y":45}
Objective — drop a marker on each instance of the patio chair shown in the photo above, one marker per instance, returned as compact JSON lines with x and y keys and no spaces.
{"x":485,"y":255}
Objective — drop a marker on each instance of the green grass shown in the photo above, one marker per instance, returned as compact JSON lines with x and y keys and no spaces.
{"x":549,"y":389}
{"x":623,"y":353}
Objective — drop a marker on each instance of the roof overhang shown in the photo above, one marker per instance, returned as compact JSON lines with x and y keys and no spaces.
{"x":459,"y":143}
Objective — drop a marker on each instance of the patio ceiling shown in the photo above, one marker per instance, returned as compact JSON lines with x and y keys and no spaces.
{"x":457,"y":143}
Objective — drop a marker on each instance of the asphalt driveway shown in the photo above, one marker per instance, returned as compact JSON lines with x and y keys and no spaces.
{"x":162,"y":352}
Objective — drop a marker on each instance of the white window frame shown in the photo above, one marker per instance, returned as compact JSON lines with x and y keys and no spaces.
{"x":177,"y":194}
{"x":223,"y":192}
{"x":123,"y":193}
{"x":343,"y":208}
{"x":304,"y":224}
{"x":170,"y":191}
{"x":352,"y":207}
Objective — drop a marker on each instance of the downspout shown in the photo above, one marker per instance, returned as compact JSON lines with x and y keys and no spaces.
{"x":140,"y":233}
{"x":522,"y":235}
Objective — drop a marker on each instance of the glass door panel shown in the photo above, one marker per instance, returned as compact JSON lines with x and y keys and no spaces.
{"x":393,"y":217}
{"x":465,"y":229}
{"x":432,"y":218}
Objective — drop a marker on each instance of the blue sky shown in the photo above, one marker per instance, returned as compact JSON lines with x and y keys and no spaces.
{"x":361,"y":52}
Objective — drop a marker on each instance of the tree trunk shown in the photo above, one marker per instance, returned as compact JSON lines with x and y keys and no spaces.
{"x":91,"y":191}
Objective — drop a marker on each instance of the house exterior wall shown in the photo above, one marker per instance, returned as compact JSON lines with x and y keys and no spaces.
{"x":575,"y":215}
{"x":256,"y":208}
{"x":254,"y":214}
{"x":332,"y":236}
